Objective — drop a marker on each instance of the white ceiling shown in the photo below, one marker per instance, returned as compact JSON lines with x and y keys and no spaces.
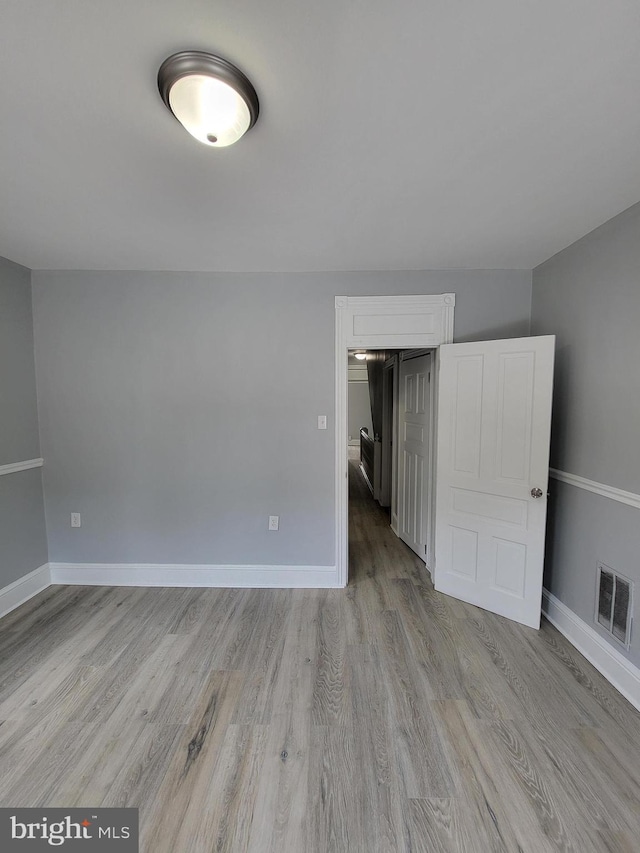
{"x":414,"y":134}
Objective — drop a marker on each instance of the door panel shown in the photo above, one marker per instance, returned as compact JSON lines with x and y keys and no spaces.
{"x":467,"y":415}
{"x":494,"y":419}
{"x":414,"y":453}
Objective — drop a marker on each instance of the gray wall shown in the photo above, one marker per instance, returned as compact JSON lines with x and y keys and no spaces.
{"x":177,"y":413}
{"x":23,"y":546}
{"x":359,"y":411}
{"x":589,"y":296}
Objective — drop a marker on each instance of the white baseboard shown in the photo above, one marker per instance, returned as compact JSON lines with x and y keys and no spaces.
{"x":23,"y":589}
{"x":149,"y":574}
{"x":615,"y":667}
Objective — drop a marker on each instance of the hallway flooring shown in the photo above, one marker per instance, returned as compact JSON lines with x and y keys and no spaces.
{"x":383,"y":717}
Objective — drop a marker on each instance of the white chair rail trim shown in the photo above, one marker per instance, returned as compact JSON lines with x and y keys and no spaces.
{"x":14,"y":467}
{"x":628,"y":498}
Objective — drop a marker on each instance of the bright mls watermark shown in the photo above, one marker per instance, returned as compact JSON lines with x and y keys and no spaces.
{"x":82,"y":830}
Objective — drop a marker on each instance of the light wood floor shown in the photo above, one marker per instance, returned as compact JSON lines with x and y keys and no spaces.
{"x":383,"y":717}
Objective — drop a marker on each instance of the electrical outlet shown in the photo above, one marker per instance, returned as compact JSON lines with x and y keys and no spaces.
{"x":76,"y":521}
{"x":274,"y":522}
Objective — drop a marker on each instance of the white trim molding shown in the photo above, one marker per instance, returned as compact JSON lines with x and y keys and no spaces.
{"x":628,"y":498}
{"x":14,"y":467}
{"x":397,"y":322}
{"x":615,"y":667}
{"x":164,"y":574}
{"x":23,"y":589}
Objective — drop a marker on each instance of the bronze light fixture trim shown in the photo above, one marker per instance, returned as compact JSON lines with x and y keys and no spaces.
{"x":209,"y":96}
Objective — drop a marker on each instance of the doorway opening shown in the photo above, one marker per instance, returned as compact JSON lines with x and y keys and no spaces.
{"x":379,"y":324}
{"x":491,"y":460}
{"x":391,"y":431}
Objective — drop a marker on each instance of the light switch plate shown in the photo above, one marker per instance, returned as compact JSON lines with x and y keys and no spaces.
{"x":322,"y":421}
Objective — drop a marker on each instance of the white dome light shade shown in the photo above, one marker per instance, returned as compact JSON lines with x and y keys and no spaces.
{"x":361,"y":356}
{"x":211,"y":98}
{"x":209,"y":109}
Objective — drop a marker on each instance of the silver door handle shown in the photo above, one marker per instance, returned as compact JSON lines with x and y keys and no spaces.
{"x":536,"y":493}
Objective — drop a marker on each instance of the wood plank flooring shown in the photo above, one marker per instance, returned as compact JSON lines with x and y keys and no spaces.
{"x":380,"y":718}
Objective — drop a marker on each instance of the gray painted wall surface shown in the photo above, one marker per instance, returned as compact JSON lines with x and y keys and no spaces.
{"x":177,"y":413}
{"x":19,"y":421}
{"x":23,"y":545}
{"x":589,"y":296}
{"x":359,"y":410}
{"x":23,"y":538}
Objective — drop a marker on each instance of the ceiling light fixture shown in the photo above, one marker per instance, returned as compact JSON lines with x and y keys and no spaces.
{"x":212,"y":98}
{"x":361,"y":356}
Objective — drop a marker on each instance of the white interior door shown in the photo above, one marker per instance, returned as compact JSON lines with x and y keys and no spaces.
{"x":492,"y":468}
{"x":413,"y":470}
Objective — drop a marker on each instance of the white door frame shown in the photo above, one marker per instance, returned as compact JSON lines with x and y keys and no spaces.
{"x":377,"y":322}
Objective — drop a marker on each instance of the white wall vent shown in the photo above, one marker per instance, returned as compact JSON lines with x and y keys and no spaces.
{"x":614,"y":604}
